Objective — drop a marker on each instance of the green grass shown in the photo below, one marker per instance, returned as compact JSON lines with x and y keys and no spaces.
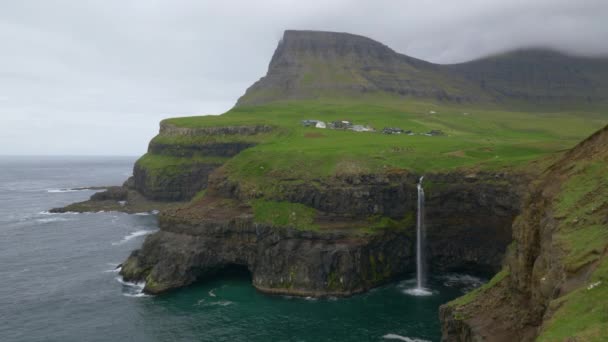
{"x":582,"y":315}
{"x":582,"y":232}
{"x":480,"y":138}
{"x":284,"y":214}
{"x":163,"y":162}
{"x":469,"y":297}
{"x":377,"y":223}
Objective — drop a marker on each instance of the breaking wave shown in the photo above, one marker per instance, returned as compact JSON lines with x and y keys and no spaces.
{"x":65,"y":190}
{"x":402,"y":338}
{"x":133,"y":236}
{"x":52,"y":219}
{"x":132,"y":289}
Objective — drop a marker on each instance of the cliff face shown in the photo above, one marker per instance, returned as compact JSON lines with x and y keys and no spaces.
{"x":554,"y":281}
{"x":314,"y":64}
{"x":180,"y":160}
{"x":468,"y":216}
{"x":280,"y":260}
{"x":468,"y":225}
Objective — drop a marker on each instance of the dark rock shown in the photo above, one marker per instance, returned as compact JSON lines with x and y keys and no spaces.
{"x":129,"y":183}
{"x":114,"y":193}
{"x":181,"y":185}
{"x":168,"y":129}
{"x":281,"y":260}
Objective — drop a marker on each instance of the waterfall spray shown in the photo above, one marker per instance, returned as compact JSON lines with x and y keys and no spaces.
{"x":420,"y":239}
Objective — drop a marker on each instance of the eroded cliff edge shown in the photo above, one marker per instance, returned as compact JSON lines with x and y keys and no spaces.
{"x":554,"y":283}
{"x":361,"y":234}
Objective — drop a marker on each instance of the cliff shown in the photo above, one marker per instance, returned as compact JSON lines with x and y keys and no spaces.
{"x":554,"y":283}
{"x":361,"y":234}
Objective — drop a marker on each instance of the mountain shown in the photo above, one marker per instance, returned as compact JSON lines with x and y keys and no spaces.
{"x":315,"y":64}
{"x":539,"y":76}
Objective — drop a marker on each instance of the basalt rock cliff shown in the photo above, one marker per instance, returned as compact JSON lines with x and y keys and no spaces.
{"x":468,"y":227}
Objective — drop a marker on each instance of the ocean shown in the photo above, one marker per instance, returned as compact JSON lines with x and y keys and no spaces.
{"x":58,"y":280}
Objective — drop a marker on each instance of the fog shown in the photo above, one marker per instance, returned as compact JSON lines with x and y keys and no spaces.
{"x":96,"y":77}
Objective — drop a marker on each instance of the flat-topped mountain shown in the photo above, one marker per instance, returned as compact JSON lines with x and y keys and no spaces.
{"x":314,"y":64}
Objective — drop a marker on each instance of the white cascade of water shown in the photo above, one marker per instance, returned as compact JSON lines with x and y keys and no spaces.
{"x":420,"y":240}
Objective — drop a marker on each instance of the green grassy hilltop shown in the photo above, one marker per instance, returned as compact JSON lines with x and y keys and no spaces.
{"x":474,"y":138}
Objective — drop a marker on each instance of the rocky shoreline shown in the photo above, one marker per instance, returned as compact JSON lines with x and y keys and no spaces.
{"x":468,"y":220}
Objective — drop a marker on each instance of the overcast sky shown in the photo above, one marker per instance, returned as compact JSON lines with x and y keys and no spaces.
{"x":96,"y":77}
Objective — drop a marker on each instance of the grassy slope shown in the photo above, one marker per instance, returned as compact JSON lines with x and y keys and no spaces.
{"x":583,"y":236}
{"x":477,"y":138}
{"x":481,"y":138}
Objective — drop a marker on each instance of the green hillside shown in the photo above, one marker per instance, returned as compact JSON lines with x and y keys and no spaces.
{"x":474,"y":138}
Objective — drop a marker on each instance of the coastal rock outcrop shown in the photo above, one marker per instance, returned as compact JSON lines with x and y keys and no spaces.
{"x":214,"y":234}
{"x":180,"y":159}
{"x":220,"y":231}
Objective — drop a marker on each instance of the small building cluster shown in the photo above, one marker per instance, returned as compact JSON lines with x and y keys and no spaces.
{"x":340,"y":124}
{"x":395,"y":130}
{"x":347,"y":125}
{"x":434,"y":133}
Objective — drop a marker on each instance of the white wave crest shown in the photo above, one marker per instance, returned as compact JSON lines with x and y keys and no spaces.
{"x":133,"y":289}
{"x":52,"y":219}
{"x":46,"y":212}
{"x":402,"y":338}
{"x":219,"y":303}
{"x":136,"y":295}
{"x":139,"y":285}
{"x":64,"y":190}
{"x":133,"y":236}
{"x":114,"y":270}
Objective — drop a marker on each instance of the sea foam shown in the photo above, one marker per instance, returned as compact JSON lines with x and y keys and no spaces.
{"x":133,"y":236}
{"x":402,"y":338}
{"x":132,"y":289}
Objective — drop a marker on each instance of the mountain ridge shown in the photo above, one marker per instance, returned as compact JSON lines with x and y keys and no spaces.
{"x":318,"y":64}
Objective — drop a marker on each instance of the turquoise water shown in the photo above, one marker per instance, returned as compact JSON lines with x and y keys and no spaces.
{"x":57,"y":279}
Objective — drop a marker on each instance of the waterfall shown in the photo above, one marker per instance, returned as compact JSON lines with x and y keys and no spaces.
{"x":420,"y":239}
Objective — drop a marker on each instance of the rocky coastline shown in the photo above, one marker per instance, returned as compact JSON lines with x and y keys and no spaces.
{"x":468,"y":220}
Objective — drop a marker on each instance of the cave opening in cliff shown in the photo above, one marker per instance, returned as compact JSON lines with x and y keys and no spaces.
{"x":229,"y":271}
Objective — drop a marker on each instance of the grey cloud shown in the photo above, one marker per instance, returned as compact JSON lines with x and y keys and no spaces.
{"x":95,"y":77}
